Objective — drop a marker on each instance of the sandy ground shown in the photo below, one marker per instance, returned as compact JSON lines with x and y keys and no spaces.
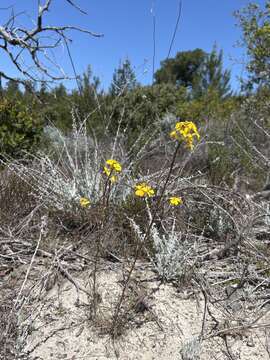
{"x":61,"y":328}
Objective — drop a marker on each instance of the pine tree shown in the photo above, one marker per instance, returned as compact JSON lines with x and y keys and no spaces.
{"x":182,"y":70}
{"x":12,"y":89}
{"x":213,"y":77}
{"x":197,"y":71}
{"x":124,"y":79}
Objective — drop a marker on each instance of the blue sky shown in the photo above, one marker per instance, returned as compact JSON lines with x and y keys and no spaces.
{"x":128,"y":32}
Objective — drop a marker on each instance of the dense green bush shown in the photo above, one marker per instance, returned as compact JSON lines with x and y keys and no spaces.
{"x":142,"y":107}
{"x":208,"y":106}
{"x":238,"y":140}
{"x":20,"y":128}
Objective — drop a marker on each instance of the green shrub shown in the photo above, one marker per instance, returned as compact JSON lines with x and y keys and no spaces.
{"x":141,"y":108}
{"x":208,"y":106}
{"x":20,"y":128}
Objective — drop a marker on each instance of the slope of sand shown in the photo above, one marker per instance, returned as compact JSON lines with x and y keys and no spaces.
{"x":60,"y":325}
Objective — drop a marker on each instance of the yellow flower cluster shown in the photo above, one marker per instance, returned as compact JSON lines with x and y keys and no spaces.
{"x":144,"y":190}
{"x":113,"y":166}
{"x":175,"y":201}
{"x":84,"y":202}
{"x":185,"y":130}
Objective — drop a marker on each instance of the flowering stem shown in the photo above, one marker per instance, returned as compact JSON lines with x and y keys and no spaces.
{"x":105,"y":204}
{"x":107,"y":186}
{"x":168,"y":177}
{"x":146,"y":235}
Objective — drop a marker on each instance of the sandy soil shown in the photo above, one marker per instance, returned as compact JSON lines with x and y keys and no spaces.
{"x":60,"y":326}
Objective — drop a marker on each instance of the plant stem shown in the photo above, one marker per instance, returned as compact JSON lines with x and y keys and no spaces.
{"x":146,"y":235}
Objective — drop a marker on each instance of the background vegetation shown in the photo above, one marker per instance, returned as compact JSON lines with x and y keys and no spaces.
{"x":191,"y":86}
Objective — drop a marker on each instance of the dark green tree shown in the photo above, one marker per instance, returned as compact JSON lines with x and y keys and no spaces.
{"x":60,"y":91}
{"x":183,"y":69}
{"x":212,"y":77}
{"x":197,"y":71}
{"x":30,"y":92}
{"x":43,"y":91}
{"x":124,"y":79}
{"x":12,"y":89}
{"x":85,"y":98}
{"x":56,"y":107}
{"x":88,"y":98}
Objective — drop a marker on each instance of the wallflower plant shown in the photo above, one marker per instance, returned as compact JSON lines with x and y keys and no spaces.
{"x":83,"y":181}
{"x":184,"y":131}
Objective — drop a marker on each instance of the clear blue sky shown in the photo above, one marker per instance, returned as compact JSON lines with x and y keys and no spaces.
{"x":128,"y":32}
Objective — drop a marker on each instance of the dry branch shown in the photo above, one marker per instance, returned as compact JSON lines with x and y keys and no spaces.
{"x":36,"y":44}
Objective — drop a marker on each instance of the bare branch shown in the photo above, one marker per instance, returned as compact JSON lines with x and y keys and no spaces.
{"x":31,"y":42}
{"x":76,"y":7}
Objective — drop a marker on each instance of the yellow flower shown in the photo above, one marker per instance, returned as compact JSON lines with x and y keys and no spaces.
{"x":84,"y":202}
{"x":186,"y":131}
{"x":144,"y":190}
{"x":175,"y":201}
{"x":108,"y":172}
{"x":114,"y":165}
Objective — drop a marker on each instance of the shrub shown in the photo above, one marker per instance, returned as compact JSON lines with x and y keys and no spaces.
{"x":73,"y":170}
{"x":142,"y":107}
{"x":247,"y":139}
{"x":16,"y":200}
{"x":171,"y":254}
{"x":20,"y":128}
{"x":191,"y":349}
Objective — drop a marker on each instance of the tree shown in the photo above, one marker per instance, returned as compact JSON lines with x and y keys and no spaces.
{"x":124,"y":79}
{"x":212,"y":77}
{"x":255,"y":25}
{"x":56,"y":107}
{"x":12,"y":89}
{"x":183,"y":70}
{"x":87,"y":99}
{"x":197,"y":71}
